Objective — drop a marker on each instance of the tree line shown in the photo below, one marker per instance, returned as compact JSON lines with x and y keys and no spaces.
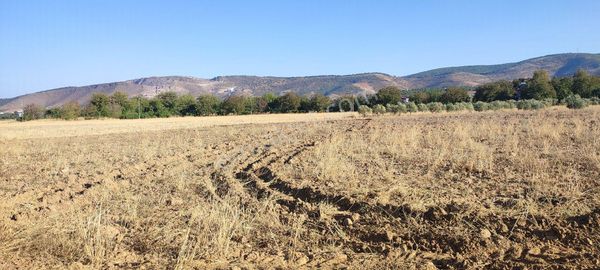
{"x":167,"y":104}
{"x":575,"y":90}
{"x":540,"y":86}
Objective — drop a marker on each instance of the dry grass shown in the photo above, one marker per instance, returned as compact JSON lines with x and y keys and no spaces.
{"x":57,"y":128}
{"x":312,"y":191}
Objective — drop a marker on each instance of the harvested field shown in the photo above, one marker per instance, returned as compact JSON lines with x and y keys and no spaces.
{"x":493,"y":190}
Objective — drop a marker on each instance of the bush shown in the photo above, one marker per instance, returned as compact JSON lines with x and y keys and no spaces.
{"x":392,"y":108}
{"x":402,"y":108}
{"x":499,"y":105}
{"x":524,"y":105}
{"x":70,"y":111}
{"x":364,"y":110}
{"x":411,"y":107}
{"x":594,"y":101}
{"x":549,"y":102}
{"x":575,"y":102}
{"x":436,"y":107}
{"x":451,"y":107}
{"x":423,"y":107}
{"x":481,"y":106}
{"x":530,"y":104}
{"x":379,"y":109}
{"x":396,"y":108}
{"x":468,"y":106}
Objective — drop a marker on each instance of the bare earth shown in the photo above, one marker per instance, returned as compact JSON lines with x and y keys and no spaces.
{"x":493,"y":190}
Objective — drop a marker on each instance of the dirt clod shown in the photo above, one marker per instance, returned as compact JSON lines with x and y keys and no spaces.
{"x":347,"y":222}
{"x":535,"y":251}
{"x":485,"y":233}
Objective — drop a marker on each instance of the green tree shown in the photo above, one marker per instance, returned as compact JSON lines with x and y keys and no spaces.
{"x":539,"y":87}
{"x":169,"y":101}
{"x":289,"y":102}
{"x":235,"y":104}
{"x":70,"y":110}
{"x":455,"y":95}
{"x":582,"y":84}
{"x":348,"y":103}
{"x":120,"y":99}
{"x":261,"y":104}
{"x":99,"y":105}
{"x":158,"y":108}
{"x":186,"y":105}
{"x":32,"y":112}
{"x":500,"y":90}
{"x":563,"y":87}
{"x":271,"y":100}
{"x":435,"y":95}
{"x":208,"y":105}
{"x":389,"y":95}
{"x":251,"y":106}
{"x":139,"y":108}
{"x":420,"y":97}
{"x":318,"y":103}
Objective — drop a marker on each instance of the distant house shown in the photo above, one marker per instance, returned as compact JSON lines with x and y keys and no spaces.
{"x":19,"y":114}
{"x":405,"y":100}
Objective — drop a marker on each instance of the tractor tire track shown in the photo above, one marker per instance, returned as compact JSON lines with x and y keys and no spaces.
{"x":260,"y":180}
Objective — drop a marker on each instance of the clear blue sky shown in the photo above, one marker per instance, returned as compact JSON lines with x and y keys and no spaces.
{"x":54,"y":43}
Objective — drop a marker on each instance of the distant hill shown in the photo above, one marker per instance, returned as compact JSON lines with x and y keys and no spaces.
{"x":4,"y":101}
{"x":556,"y":65}
{"x":332,"y":85}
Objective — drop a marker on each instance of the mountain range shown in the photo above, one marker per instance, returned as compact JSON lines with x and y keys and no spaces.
{"x":331,"y":85}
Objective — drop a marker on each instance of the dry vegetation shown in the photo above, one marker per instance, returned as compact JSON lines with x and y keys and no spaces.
{"x":504,"y":190}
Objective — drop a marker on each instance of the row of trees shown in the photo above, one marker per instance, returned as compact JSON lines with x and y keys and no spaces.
{"x":119,"y":105}
{"x":166,"y":104}
{"x":573,"y":102}
{"x":540,"y":86}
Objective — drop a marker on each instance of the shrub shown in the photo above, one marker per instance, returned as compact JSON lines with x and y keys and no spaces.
{"x":402,"y":108}
{"x":411,"y":107}
{"x":498,"y":105}
{"x":423,"y":107}
{"x":481,"y":106}
{"x":70,"y":110}
{"x":436,"y":106}
{"x":379,"y":109}
{"x":594,"y":101}
{"x":392,"y":108}
{"x":549,"y":102}
{"x":575,"y":102}
{"x":524,"y":105}
{"x":452,"y":107}
{"x":396,"y":108}
{"x":468,"y":106}
{"x":530,"y":104}
{"x":364,"y":110}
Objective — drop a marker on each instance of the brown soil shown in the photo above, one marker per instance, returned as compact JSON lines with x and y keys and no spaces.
{"x":498,"y":190}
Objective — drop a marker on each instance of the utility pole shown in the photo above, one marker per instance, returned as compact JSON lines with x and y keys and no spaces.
{"x":139,"y":107}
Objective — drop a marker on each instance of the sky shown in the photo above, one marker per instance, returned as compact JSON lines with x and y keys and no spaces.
{"x":57,"y":43}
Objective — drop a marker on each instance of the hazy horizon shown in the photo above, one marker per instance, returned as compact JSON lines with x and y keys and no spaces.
{"x":53,"y":44}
